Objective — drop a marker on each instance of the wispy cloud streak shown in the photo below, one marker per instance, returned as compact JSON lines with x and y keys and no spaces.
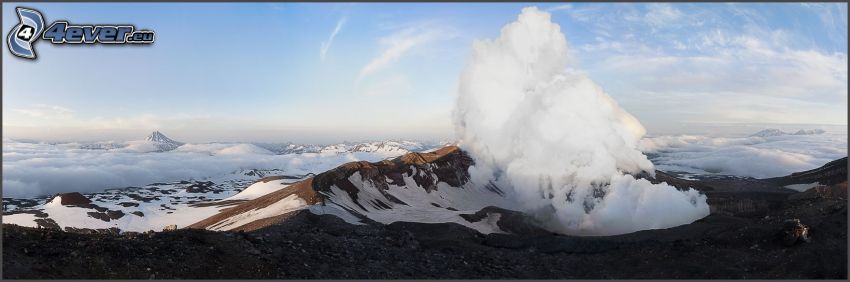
{"x":326,"y":45}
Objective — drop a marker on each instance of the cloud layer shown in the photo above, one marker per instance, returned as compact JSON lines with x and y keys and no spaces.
{"x":759,"y":157}
{"x":32,"y":169}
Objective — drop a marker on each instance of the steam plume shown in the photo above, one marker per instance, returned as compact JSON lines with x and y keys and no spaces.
{"x":564,"y":146}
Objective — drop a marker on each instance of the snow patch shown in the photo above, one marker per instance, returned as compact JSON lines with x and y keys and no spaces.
{"x":418,"y":205}
{"x":259,"y":189}
{"x":802,"y":187}
{"x":288,"y":204}
{"x":21,"y":219}
{"x":335,"y":211}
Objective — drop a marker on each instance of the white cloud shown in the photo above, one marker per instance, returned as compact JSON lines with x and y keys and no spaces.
{"x":32,"y":169}
{"x":398,"y":44}
{"x":759,"y":157}
{"x":560,"y":8}
{"x":834,"y":19}
{"x":584,"y":14}
{"x":662,"y":13}
{"x":327,"y":44}
{"x":746,"y":65}
{"x":43,"y":111}
{"x":722,"y":73}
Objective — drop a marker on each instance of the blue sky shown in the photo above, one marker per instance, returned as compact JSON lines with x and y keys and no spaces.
{"x":335,"y":71}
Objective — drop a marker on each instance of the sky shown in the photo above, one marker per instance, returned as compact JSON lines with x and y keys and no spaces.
{"x":327,"y":72}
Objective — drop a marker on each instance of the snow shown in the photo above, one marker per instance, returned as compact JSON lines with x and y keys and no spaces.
{"x":244,"y":149}
{"x":155,"y":217}
{"x":22,"y":219}
{"x":335,"y":211}
{"x":336,"y":148}
{"x":56,"y":201}
{"x":489,"y":224}
{"x":419,"y":208}
{"x":770,"y":132}
{"x":259,"y":189}
{"x":802,"y":187}
{"x":288,"y":204}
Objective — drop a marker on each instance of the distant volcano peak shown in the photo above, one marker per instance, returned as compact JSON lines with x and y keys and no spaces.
{"x":157,"y":136}
{"x":163,"y":142}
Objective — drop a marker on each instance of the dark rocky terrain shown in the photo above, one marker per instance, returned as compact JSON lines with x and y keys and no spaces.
{"x":313,"y":246}
{"x":757,"y":229}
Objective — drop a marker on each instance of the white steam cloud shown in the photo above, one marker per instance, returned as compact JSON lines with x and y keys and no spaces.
{"x":564,"y":146}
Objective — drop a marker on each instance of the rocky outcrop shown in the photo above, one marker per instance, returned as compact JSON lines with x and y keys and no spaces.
{"x":200,"y":187}
{"x":128,"y":204}
{"x":47,"y":223}
{"x":448,"y":164}
{"x":71,"y":199}
{"x":107,"y":215}
{"x":793,"y":232}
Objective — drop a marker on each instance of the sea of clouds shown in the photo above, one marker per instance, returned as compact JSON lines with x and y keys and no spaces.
{"x":749,"y":156}
{"x":37,"y":168}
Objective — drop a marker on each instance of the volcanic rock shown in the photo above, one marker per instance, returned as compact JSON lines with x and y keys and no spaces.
{"x":793,"y":231}
{"x":72,"y":198}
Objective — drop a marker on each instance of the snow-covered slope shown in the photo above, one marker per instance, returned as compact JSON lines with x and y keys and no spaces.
{"x":262,"y":187}
{"x":289,"y":148}
{"x":391,"y":146}
{"x":415,"y":187}
{"x":770,"y":132}
{"x":150,"y":207}
{"x":388,"y":146}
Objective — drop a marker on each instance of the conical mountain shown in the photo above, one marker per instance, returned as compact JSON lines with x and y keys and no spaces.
{"x":162,"y":142}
